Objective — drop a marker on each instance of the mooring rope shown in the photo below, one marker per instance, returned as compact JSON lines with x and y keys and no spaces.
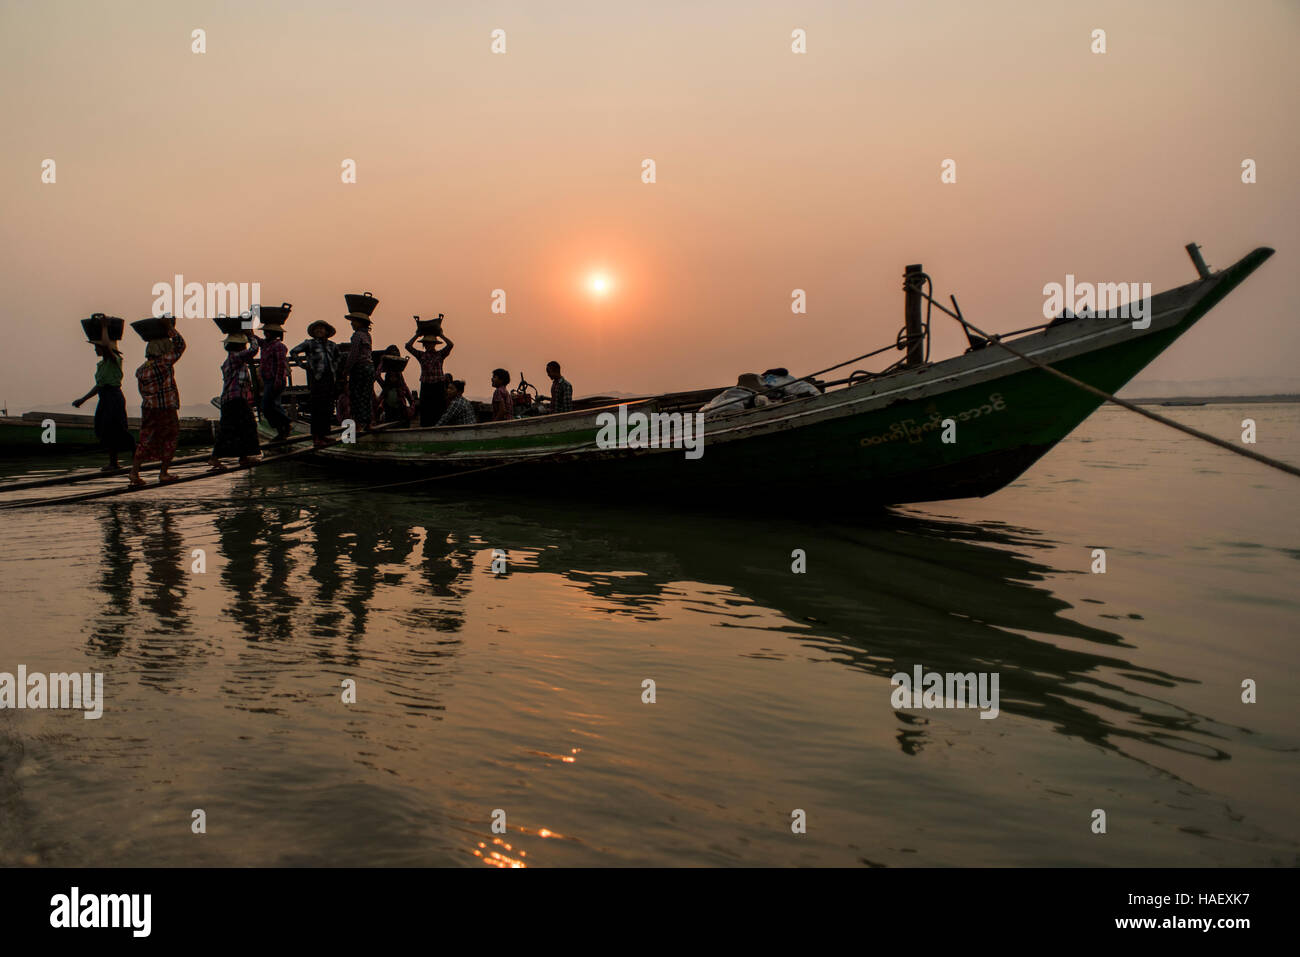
{"x":1125,"y":404}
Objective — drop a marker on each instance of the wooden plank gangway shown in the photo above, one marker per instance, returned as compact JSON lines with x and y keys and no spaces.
{"x":83,"y":476}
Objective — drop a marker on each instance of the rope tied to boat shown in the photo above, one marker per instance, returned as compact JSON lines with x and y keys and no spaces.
{"x":1125,"y":404}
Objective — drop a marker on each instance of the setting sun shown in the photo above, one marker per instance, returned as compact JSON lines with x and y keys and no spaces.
{"x":599,"y":284}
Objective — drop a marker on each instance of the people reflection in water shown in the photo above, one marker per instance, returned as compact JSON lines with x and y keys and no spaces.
{"x":279,"y":603}
{"x":890,"y":593}
{"x":166,"y":563}
{"x":446,"y":559}
{"x":142,"y":542}
{"x":115,"y":569}
{"x":239,"y":532}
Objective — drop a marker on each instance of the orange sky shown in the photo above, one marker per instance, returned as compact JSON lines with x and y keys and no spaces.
{"x":522,"y":171}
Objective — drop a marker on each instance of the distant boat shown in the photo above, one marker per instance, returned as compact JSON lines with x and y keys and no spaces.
{"x":868,"y":439}
{"x":24,"y":433}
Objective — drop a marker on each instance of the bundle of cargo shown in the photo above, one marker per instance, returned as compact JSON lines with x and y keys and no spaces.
{"x":390,"y":360}
{"x":154,"y":327}
{"x":98,"y":323}
{"x":360,"y":308}
{"x":273,"y":317}
{"x":426,"y":329}
{"x":234,"y":325}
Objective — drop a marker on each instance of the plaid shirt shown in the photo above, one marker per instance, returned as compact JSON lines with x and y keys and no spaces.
{"x":320,"y":357}
{"x":157,"y":379}
{"x":561,"y":395}
{"x":275,"y":367}
{"x":430,"y":363}
{"x":459,"y":412}
{"x":236,"y":377}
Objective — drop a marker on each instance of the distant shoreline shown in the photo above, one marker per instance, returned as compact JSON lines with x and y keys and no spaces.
{"x":1216,"y":399}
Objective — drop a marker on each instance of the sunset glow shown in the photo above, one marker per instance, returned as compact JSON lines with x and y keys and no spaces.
{"x":599,"y":284}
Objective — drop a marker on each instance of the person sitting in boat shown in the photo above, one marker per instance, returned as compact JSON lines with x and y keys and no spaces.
{"x":320,"y":357}
{"x":459,"y":411}
{"x":503,"y":407}
{"x":747,"y":393}
{"x":433,"y":379}
{"x":274,"y":368}
{"x":237,"y":430}
{"x":395,"y":403}
{"x":561,"y":389}
{"x":160,"y":402}
{"x":111,"y":428}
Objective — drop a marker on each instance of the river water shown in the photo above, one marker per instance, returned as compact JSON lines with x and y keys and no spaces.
{"x":519,"y":695}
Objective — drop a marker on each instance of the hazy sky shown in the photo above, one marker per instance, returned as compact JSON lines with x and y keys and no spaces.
{"x":522,"y":171}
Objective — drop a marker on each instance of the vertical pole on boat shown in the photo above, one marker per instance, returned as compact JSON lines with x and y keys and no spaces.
{"x":1198,"y":260}
{"x":912,"y":315}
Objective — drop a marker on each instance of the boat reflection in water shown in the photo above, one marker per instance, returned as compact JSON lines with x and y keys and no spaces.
{"x":304,"y":589}
{"x":883,"y":594}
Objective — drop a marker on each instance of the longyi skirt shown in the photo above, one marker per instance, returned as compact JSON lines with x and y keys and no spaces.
{"x":110,"y":421}
{"x":159,"y":431}
{"x":237,"y":430}
{"x":433,"y":401}
{"x":322,"y":406}
{"x":361,"y":394}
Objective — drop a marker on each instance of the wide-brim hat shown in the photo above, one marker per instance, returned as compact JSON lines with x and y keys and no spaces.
{"x":329,"y":330}
{"x":98,"y":323}
{"x":153,"y":327}
{"x":750,"y":380}
{"x":360,"y":308}
{"x":236,"y":337}
{"x":231,"y":325}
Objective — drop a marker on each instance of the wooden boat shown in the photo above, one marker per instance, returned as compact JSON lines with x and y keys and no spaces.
{"x":872,"y":438}
{"x":73,"y":431}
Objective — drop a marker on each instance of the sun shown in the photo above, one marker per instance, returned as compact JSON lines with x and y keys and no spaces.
{"x":599,"y":283}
